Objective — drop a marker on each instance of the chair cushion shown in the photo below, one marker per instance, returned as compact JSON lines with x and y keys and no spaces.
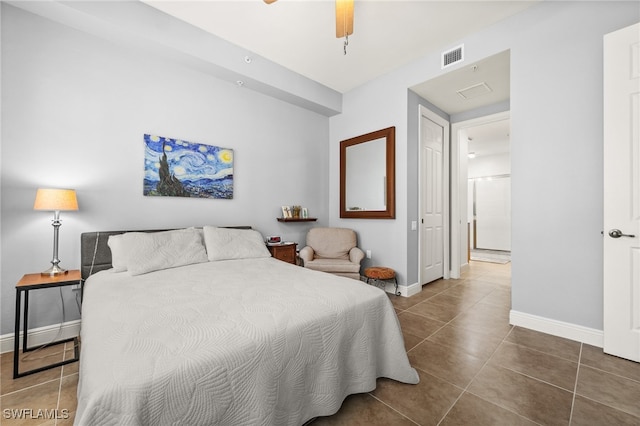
{"x":331,"y":243}
{"x":332,"y":265}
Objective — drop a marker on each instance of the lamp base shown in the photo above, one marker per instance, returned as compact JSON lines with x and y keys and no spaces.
{"x":54,"y":271}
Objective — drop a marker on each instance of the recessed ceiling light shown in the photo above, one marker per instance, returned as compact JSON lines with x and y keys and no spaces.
{"x":471,"y":155}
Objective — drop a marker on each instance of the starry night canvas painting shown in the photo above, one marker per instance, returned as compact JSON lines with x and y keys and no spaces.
{"x":177,"y":168}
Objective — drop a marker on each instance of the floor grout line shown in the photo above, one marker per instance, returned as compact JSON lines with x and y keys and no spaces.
{"x":29,"y":387}
{"x":394,"y":409}
{"x":611,"y":373}
{"x":575,"y":386}
{"x":466,"y":388}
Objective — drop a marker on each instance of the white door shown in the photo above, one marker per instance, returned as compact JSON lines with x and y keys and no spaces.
{"x":431,"y":199}
{"x":622,"y":193}
{"x":493,"y":213}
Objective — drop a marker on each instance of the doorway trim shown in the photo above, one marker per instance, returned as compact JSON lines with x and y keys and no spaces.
{"x":458,"y":188}
{"x":426,"y":112}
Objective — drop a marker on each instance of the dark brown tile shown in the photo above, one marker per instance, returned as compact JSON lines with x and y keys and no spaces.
{"x":456,"y":367}
{"x":68,"y":399}
{"x":615,"y":391}
{"x":558,"y":346}
{"x":441,"y":285}
{"x":440,"y":312}
{"x":490,"y":311}
{"x":498,"y":298}
{"x":72,"y":368}
{"x":539,"y":365}
{"x":363,"y":410}
{"x":538,"y":401}
{"x":417,"y":325}
{"x":425,"y":403}
{"x":472,"y":290}
{"x":25,"y":405}
{"x":66,"y":419}
{"x":499,"y":279}
{"x":473,"y":411}
{"x":484,"y":322}
{"x":411,"y":341}
{"x":401,"y":303}
{"x":479,"y":270}
{"x":480,"y":345}
{"x":445,"y":299}
{"x":29,"y":361}
{"x":596,"y":358}
{"x":587,"y":413}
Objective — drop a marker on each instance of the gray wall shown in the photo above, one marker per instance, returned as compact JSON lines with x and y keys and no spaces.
{"x":74,"y":111}
{"x":556,"y":133}
{"x":75,"y":108}
{"x":557,"y":168}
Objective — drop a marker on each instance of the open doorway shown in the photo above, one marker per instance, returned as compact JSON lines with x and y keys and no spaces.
{"x":473,"y":97}
{"x":481,"y":165}
{"x":489,"y":192}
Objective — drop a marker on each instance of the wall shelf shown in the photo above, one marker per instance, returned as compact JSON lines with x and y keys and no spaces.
{"x":296,"y":219}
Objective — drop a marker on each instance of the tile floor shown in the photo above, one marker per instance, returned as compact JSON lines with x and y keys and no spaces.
{"x":475,"y":369}
{"x":45,"y":398}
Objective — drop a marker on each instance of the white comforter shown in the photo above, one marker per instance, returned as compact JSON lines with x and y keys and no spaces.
{"x":236,"y":342}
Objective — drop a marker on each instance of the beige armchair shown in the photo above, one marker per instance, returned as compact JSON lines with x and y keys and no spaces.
{"x":333,"y":250}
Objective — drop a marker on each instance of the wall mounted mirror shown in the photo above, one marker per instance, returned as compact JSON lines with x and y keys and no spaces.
{"x":368,"y":175}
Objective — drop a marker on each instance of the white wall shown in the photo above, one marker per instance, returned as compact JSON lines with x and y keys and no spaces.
{"x":490,"y":165}
{"x":492,"y":200}
{"x":75,"y":109}
{"x":556,"y":134}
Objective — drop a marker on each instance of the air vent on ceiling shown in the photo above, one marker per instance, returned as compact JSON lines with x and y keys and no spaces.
{"x":474,"y":91}
{"x":453,"y":56}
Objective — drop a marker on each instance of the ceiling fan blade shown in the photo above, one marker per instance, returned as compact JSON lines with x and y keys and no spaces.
{"x":344,"y":18}
{"x":270,"y":1}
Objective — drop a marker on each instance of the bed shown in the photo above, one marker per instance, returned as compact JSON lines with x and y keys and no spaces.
{"x":232,"y":338}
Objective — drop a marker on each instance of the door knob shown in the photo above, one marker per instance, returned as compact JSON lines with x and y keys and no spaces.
{"x":616,"y":233}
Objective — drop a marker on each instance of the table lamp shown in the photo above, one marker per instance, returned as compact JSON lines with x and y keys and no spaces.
{"x":55,"y":200}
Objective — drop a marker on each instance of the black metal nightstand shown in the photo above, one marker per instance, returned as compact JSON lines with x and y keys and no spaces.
{"x":37,"y":282}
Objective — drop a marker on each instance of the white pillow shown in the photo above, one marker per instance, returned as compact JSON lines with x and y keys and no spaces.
{"x":119,"y":253}
{"x":225,"y":243}
{"x":153,"y":251}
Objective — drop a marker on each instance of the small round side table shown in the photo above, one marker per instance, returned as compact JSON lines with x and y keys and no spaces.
{"x":381,"y":273}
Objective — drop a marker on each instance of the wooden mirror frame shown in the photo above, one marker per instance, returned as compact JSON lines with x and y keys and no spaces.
{"x":389,"y":134}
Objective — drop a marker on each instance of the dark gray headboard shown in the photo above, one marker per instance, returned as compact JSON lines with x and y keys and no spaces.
{"x":95,"y":254}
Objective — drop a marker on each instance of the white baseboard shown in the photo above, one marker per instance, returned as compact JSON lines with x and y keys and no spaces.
{"x":405,"y":290}
{"x":464,"y":268}
{"x":42,"y":335}
{"x":567,"y":330}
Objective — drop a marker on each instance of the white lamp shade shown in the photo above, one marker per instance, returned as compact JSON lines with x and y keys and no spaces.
{"x":55,"y":199}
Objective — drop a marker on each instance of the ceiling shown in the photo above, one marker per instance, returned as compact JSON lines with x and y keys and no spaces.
{"x":447,"y":92}
{"x":489,"y":139}
{"x":300,"y":34}
{"x":492,"y":73}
